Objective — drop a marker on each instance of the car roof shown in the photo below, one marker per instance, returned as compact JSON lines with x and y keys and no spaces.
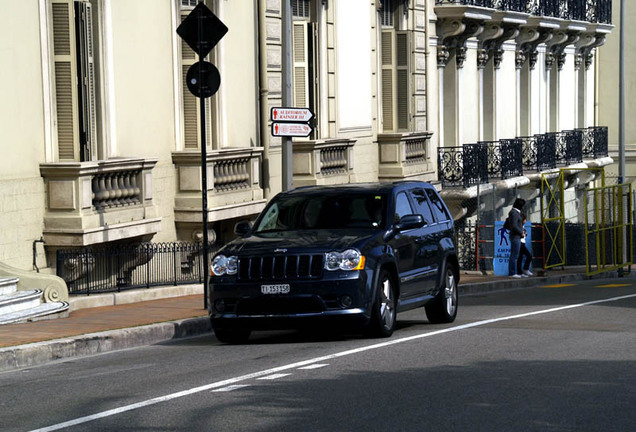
{"x":378,"y":187}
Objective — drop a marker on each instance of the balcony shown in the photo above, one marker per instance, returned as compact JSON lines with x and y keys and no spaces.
{"x":473,"y":164}
{"x":322,"y":162}
{"x":595,"y":11}
{"x":404,"y":156}
{"x":471,"y":170}
{"x":98,"y":202}
{"x":234,"y":188}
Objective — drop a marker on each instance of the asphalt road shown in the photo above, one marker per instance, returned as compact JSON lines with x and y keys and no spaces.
{"x":559,"y":358}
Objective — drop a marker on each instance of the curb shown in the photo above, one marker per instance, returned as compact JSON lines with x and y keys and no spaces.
{"x":34,"y":354}
{"x":505,"y":283}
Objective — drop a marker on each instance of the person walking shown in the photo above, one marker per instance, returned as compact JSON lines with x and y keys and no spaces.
{"x":524,"y":253}
{"x":516,"y":231}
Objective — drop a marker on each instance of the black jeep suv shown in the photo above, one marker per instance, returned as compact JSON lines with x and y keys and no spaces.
{"x":353,"y":255}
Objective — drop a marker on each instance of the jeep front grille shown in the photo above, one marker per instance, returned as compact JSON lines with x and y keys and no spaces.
{"x":277,"y":267}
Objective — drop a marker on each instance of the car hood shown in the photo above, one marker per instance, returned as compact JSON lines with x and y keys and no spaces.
{"x":301,"y":241}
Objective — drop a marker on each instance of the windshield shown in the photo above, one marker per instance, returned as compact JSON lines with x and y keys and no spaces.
{"x":324,"y":212}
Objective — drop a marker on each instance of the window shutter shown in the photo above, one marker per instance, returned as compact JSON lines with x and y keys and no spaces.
{"x":65,"y":71}
{"x":192,"y":104}
{"x":301,"y":66}
{"x":190,"y":114}
{"x":191,"y":129}
{"x":88,"y":71}
{"x":395,"y":80}
{"x":388,"y":67}
{"x":402,"y":72}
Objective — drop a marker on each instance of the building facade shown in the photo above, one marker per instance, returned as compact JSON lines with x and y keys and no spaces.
{"x":102,"y":138}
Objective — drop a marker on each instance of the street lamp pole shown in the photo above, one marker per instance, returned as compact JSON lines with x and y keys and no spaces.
{"x":287,"y":161}
{"x":621,"y":96}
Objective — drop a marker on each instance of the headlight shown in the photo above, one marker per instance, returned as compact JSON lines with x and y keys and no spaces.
{"x":222,"y":265}
{"x":350,"y":259}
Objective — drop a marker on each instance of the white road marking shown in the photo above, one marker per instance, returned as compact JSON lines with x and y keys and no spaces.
{"x":256,"y":375}
{"x":314,"y":366}
{"x":274,"y":376}
{"x":232,"y":387}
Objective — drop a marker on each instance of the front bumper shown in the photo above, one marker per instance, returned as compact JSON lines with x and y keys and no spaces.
{"x":342,"y":300}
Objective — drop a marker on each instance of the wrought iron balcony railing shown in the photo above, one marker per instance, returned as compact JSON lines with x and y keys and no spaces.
{"x":473,"y":164}
{"x":596,"y":11}
{"x":504,"y":158}
{"x":463,"y":166}
{"x":569,"y":147}
{"x":538,"y":152}
{"x":600,"y":141}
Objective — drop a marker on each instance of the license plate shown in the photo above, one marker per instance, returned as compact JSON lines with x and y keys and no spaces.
{"x":275,"y":289}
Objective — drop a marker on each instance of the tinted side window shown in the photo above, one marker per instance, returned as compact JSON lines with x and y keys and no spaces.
{"x":421,"y":205}
{"x":402,"y":206}
{"x":439,"y":210}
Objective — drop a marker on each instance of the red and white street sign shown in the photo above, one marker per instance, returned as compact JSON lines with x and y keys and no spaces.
{"x":280,"y":114}
{"x":291,"y":129}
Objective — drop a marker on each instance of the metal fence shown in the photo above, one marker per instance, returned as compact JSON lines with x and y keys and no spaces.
{"x":474,"y":236}
{"x":117,"y":268}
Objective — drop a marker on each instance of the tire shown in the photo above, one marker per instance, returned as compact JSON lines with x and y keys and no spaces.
{"x":383,"y":315}
{"x":232,"y":336}
{"x":443,"y":309}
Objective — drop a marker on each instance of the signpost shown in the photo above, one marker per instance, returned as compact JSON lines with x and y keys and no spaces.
{"x":202,"y":30}
{"x":291,"y":129}
{"x":291,"y":114}
{"x":292,"y":122}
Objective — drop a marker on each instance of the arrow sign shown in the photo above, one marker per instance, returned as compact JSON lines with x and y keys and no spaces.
{"x":283,"y":114}
{"x":291,"y":129}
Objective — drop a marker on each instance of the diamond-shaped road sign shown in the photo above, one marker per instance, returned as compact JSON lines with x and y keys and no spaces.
{"x":211,"y":30}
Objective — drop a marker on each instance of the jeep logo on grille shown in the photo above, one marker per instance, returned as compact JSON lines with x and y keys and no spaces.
{"x":280,"y":250}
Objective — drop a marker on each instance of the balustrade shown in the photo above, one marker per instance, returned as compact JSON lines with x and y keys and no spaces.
{"x":233,"y":185}
{"x":99,"y":201}
{"x":415,"y":150}
{"x":333,"y":160}
{"x":116,"y":189}
{"x":231,"y":174}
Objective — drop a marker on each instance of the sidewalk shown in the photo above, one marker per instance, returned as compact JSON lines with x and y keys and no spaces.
{"x":93,"y":330}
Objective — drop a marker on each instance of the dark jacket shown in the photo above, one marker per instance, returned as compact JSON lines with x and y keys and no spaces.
{"x":516,"y":223}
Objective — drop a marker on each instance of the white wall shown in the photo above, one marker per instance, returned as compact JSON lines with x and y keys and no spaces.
{"x":21,"y":103}
{"x":239,"y":79}
{"x":353,"y":64}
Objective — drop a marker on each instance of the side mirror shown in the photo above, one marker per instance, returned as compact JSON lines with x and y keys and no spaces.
{"x":242,"y":228}
{"x":410,"y":222}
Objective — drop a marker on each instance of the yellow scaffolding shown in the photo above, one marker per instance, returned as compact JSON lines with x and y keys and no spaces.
{"x":552,"y":210}
{"x":608,"y":228}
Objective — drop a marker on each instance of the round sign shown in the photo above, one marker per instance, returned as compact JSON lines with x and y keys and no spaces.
{"x":203,"y":79}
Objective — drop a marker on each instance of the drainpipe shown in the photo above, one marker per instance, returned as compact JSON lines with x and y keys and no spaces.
{"x":261,"y":61}
{"x":35,"y":263}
